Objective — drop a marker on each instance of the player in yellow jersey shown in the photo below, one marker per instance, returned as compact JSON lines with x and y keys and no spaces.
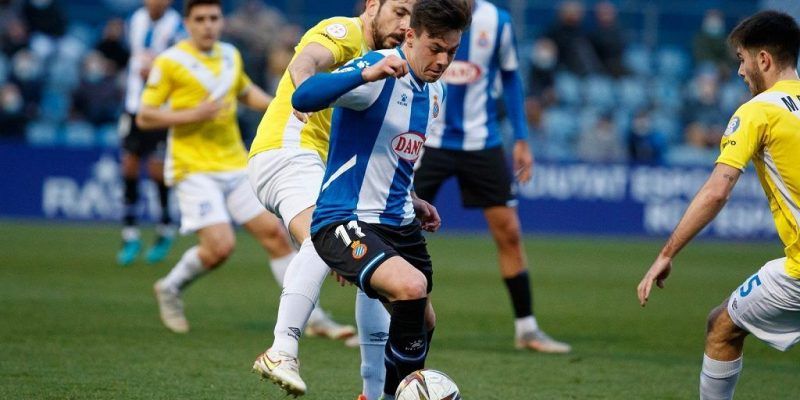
{"x":201,"y":80}
{"x":287,"y":163}
{"x":766,"y":131}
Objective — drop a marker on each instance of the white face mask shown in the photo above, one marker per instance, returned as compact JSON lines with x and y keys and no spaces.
{"x":41,"y":3}
{"x":714,"y":26}
{"x":544,"y":58}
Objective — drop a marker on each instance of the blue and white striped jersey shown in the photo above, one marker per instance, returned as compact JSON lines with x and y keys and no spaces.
{"x":148,"y":38}
{"x":377,"y":133}
{"x":487,"y":49}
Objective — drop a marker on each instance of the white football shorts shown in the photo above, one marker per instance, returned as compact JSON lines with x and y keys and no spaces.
{"x":211,"y":198}
{"x":768,"y":306}
{"x":286,"y":181}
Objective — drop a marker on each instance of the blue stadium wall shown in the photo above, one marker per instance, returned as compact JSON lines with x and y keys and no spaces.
{"x":84,"y":185}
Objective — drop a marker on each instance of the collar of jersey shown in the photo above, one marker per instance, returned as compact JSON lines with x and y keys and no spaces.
{"x":187,"y":46}
{"x":418,"y":83}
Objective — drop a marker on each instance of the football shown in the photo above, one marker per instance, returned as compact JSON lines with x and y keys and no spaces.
{"x":427,"y":384}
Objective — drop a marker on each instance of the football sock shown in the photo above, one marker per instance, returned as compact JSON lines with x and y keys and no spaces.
{"x":301,"y":285}
{"x":279,"y":265}
{"x":526,"y":324}
{"x":372,"y":321}
{"x":718,"y":378}
{"x":407,"y":346}
{"x":163,"y":199}
{"x":131,"y":198}
{"x":188,"y":269}
{"x":519,"y":288}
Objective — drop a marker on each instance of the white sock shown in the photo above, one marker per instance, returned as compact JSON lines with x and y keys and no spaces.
{"x":279,"y":265}
{"x":130,"y":233}
{"x":301,"y":286}
{"x":186,"y":271}
{"x":525,"y":324}
{"x":718,"y":378}
{"x":372,"y":320}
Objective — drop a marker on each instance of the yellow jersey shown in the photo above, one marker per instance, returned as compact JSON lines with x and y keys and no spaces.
{"x":183,"y":77}
{"x":279,"y":128}
{"x":766,"y":129}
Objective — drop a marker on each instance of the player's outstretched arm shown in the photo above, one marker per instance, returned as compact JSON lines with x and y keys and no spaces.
{"x":314,"y":58}
{"x":255,"y":98}
{"x":321,"y":90}
{"x":706,"y":204}
{"x":150,"y":117}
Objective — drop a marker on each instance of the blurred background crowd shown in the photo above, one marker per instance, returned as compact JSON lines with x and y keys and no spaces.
{"x":644,"y":82}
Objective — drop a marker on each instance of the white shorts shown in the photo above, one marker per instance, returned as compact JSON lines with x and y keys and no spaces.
{"x":768,"y":306}
{"x":212,"y":198}
{"x":286,"y":181}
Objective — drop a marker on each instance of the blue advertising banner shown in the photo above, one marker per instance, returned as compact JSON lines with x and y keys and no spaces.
{"x":562,"y":198}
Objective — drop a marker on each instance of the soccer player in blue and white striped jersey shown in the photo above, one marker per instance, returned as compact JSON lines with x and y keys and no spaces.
{"x":366,"y":225}
{"x":469,"y":146}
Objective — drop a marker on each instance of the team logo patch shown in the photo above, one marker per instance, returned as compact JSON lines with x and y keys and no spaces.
{"x":359,"y":250}
{"x":483,"y":39}
{"x":338,"y":31}
{"x":462,"y":73}
{"x":732,"y":126}
{"x":435,"y":106}
{"x":408,"y":145}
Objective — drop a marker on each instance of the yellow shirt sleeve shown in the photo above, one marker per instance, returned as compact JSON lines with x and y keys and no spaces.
{"x":339,"y":35}
{"x":244,"y":82}
{"x":159,"y":84}
{"x":744,"y":136}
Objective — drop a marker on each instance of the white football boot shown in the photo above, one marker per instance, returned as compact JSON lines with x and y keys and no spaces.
{"x":282,"y":369}
{"x":539,"y":341}
{"x":170,"y":307}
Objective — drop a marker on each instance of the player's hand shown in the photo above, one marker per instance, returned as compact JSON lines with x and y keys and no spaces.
{"x":657,"y":273}
{"x":303,"y":117}
{"x":388,"y":66}
{"x":208,"y":110}
{"x":428,"y":214}
{"x":523,"y":161}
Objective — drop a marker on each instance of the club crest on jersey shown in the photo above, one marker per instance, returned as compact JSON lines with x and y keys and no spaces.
{"x":435,"y":106}
{"x":359,"y":250}
{"x":483,"y":39}
{"x":462,"y":73}
{"x":339,"y":31}
{"x":408,"y":145}
{"x":732,"y":126}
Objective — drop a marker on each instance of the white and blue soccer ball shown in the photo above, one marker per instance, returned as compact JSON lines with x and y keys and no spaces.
{"x":427,"y":384}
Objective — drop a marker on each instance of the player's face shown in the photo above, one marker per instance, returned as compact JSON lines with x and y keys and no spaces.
{"x":750,"y":71}
{"x":390,"y":22}
{"x":430,"y":56}
{"x":204,"y":24}
{"x":157,"y":8}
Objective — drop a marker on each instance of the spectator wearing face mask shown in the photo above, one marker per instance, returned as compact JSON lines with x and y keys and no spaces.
{"x":112,"y":44}
{"x":98,"y":98}
{"x":541,"y":80}
{"x":608,"y":40}
{"x":12,"y":113}
{"x":575,"y":51}
{"x":26,"y":74}
{"x":709,"y":44}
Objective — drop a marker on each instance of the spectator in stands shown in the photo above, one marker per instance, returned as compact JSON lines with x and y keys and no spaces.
{"x":45,"y":16}
{"x":98,"y":98}
{"x":709,"y":44}
{"x":12,"y":112}
{"x":575,"y":51}
{"x":541,"y":80}
{"x":703,"y":103}
{"x":112,"y":44}
{"x":696,"y":150}
{"x":601,"y":143}
{"x":26,"y":73}
{"x":14,"y":37}
{"x":608,"y":39}
{"x":254,"y":27}
{"x":645,"y":144}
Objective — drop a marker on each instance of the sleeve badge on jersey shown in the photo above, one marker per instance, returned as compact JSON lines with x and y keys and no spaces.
{"x":339,"y":31}
{"x":732,"y":126}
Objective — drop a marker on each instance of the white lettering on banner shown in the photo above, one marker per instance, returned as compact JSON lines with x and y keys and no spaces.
{"x":577,"y":182}
{"x":99,"y":197}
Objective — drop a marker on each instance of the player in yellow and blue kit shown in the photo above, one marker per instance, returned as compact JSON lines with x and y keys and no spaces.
{"x":201,"y":80}
{"x":766,"y":131}
{"x":287,"y":163}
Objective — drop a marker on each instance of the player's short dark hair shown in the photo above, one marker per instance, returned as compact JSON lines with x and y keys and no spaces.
{"x":189,"y":4}
{"x":773,"y":31}
{"x":438,"y":17}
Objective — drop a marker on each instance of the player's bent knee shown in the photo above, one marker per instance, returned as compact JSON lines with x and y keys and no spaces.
{"x":412,"y":288}
{"x":220,"y":251}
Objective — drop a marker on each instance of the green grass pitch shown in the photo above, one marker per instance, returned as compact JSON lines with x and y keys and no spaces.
{"x":73,"y":325}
